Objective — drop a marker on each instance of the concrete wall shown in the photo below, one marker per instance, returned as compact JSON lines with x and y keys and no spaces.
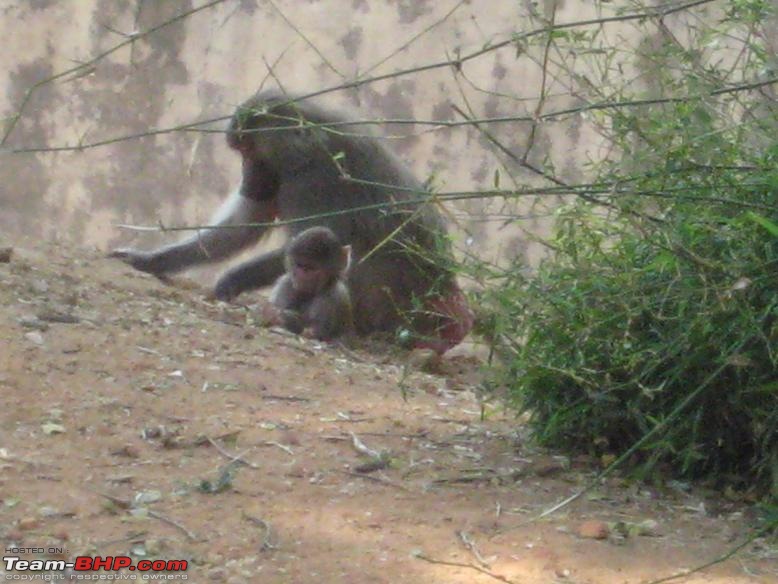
{"x":202,"y":66}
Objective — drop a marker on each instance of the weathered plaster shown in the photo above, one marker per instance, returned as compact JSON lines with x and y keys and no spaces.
{"x":202,"y":67}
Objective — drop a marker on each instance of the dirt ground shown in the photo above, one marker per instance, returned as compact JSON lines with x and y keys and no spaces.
{"x":138,"y":418}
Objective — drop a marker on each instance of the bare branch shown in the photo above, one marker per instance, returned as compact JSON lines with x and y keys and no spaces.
{"x":307,"y":41}
{"x":330,"y":126}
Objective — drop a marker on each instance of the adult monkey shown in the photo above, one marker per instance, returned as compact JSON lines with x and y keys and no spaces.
{"x":296,"y":166}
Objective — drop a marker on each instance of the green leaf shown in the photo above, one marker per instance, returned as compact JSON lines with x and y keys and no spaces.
{"x":764,"y":222}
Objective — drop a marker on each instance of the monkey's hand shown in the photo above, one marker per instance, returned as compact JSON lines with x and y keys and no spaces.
{"x":226,"y":289}
{"x":140,"y":260}
{"x":313,"y":333}
{"x":291,"y":320}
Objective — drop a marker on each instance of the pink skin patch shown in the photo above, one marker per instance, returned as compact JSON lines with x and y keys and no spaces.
{"x":458,"y":321}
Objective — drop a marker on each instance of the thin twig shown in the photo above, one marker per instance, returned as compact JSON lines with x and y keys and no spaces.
{"x":283,"y":447}
{"x":127,"y":504}
{"x":470,"y":545}
{"x":542,"y":98}
{"x":415,"y":37}
{"x":582,"y":190}
{"x":304,"y":350}
{"x":190,"y":535}
{"x":524,"y":163}
{"x":722,"y":558}
{"x":232,"y":457}
{"x":289,"y":398}
{"x":330,"y":126}
{"x":266,"y":540}
{"x":130,"y":537}
{"x":375,"y":479}
{"x":464,"y":565}
{"x":307,"y":41}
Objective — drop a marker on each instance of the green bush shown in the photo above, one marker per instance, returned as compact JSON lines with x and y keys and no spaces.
{"x":658,"y":308}
{"x":630,"y":316}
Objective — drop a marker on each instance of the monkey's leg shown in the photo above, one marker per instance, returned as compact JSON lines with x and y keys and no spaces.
{"x":292,"y":321}
{"x":207,"y":245}
{"x":329,"y":315}
{"x":257,"y":273}
{"x":454,"y":319}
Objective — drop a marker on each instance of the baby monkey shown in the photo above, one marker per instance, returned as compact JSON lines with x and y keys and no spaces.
{"x":312,"y":297}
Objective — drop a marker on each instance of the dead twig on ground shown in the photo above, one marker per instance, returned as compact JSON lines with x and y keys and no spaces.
{"x":233,"y":457}
{"x":464,"y":565}
{"x":379,"y":480}
{"x":191,"y":536}
{"x":470,"y":546}
{"x":723,"y":557}
{"x":283,"y":447}
{"x":289,"y":398}
{"x":266,"y":540}
{"x":131,"y":537}
{"x":127,"y":504}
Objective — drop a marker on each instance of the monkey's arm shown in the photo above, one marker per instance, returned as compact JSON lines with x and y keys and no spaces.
{"x":330,"y":314}
{"x":256,"y":273}
{"x":281,"y":311}
{"x":208,"y":245}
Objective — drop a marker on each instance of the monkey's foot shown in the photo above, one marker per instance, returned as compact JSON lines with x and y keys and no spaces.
{"x":457,"y":320}
{"x":270,"y":315}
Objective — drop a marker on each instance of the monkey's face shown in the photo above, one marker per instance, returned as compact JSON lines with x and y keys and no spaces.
{"x":254,"y":133}
{"x":309,"y":278}
{"x":314,"y":260}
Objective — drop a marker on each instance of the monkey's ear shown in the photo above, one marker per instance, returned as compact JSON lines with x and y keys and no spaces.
{"x":345,"y":261}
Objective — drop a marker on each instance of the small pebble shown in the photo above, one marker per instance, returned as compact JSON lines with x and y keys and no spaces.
{"x":593,"y":529}
{"x":34,"y":337}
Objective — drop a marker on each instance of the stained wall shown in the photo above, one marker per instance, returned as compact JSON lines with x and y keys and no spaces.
{"x":199,"y":67}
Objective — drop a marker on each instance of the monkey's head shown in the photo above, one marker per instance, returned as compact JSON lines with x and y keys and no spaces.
{"x":278,"y":130}
{"x":315,"y":259}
